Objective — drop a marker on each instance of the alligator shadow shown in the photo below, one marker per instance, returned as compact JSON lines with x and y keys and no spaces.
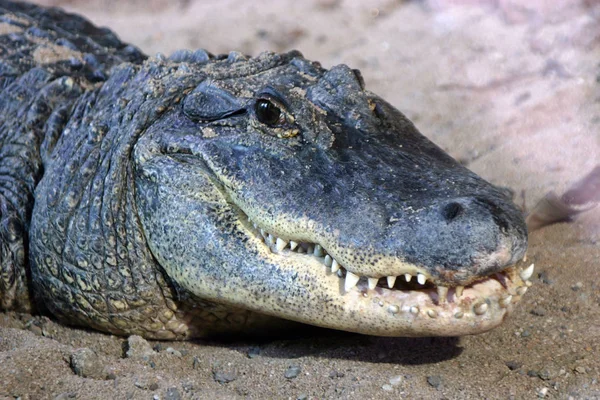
{"x":329,"y":344}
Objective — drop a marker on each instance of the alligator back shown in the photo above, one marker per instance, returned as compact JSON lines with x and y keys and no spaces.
{"x":48,"y":59}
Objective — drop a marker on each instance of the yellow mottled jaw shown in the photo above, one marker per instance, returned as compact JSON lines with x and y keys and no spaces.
{"x":409,"y":303}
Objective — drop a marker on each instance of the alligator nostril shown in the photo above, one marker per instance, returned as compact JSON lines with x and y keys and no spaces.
{"x":451,"y":211}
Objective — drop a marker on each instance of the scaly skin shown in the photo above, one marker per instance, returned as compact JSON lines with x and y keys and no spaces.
{"x":196,"y":195}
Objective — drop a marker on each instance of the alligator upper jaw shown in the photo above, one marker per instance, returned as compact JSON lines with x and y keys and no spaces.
{"x":406,"y":305}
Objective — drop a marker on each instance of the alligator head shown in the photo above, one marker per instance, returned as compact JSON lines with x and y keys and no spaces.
{"x":280,"y":187}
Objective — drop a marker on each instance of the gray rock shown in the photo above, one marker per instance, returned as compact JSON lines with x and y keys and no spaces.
{"x":138,"y":347}
{"x":176,"y":353}
{"x":545,"y":278}
{"x":66,"y":396}
{"x":577,"y":286}
{"x":196,"y":363}
{"x":86,"y":363}
{"x":512,"y":365}
{"x":336,"y":374}
{"x":172,"y":394}
{"x":253,"y":352}
{"x":396,"y":380}
{"x":538,"y":311}
{"x":224,"y":377}
{"x":387,"y":388}
{"x":292,"y":371}
{"x":435,"y":381}
{"x":147,"y":385}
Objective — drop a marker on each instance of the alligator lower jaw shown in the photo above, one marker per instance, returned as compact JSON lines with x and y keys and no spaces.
{"x":411,"y":303}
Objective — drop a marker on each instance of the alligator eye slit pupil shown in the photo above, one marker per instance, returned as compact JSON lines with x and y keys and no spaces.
{"x":267,"y":112}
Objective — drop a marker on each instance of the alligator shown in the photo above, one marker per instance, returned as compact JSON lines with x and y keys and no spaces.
{"x":199,"y":195}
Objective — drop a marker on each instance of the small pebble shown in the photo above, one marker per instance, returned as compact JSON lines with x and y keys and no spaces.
{"x":224,"y":377}
{"x":387,"y":388}
{"x":336,"y":374}
{"x":538,"y":311}
{"x":512,"y":365}
{"x":525,"y":333}
{"x":434,"y":380}
{"x":580,"y":369}
{"x":35,"y":329}
{"x":543,"y":392}
{"x":146,"y":386}
{"x":176,"y":353}
{"x":172,"y":394}
{"x":577,"y":286}
{"x":86,"y":363}
{"x":545,"y":278}
{"x":396,"y":380}
{"x":532,"y":373}
{"x":302,"y":397}
{"x":253,"y":352}
{"x":545,"y":375}
{"x":138,"y":347}
{"x":292,"y":372}
{"x":66,"y":395}
{"x":196,"y":363}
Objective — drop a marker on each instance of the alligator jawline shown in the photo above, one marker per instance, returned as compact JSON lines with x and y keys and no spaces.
{"x":506,"y":286}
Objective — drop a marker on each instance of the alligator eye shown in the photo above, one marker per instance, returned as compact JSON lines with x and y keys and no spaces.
{"x":267,"y":112}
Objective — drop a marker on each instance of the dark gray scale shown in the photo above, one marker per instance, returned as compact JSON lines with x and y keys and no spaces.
{"x":37,"y":94}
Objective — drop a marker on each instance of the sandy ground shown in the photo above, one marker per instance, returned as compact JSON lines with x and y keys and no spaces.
{"x":510,"y":88}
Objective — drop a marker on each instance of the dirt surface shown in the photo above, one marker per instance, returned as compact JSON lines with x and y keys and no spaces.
{"x":510,"y":88}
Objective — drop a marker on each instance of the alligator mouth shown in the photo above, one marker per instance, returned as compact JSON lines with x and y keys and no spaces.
{"x":473,"y":308}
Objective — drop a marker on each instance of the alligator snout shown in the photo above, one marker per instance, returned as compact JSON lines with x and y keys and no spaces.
{"x":466,"y":237}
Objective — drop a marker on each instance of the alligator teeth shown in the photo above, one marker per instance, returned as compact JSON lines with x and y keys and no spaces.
{"x":351,"y":280}
{"x":280,"y":244}
{"x":373,"y":283}
{"x":480,"y":309}
{"x":526,"y":273}
{"x":390,"y":281}
{"x":442,"y":294}
{"x":334,"y":266}
{"x":277,"y":245}
{"x":318,"y":251}
{"x":505,"y":301}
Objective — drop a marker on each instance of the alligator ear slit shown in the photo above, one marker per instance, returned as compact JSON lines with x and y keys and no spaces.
{"x":210,"y":103}
{"x":241,"y":111}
